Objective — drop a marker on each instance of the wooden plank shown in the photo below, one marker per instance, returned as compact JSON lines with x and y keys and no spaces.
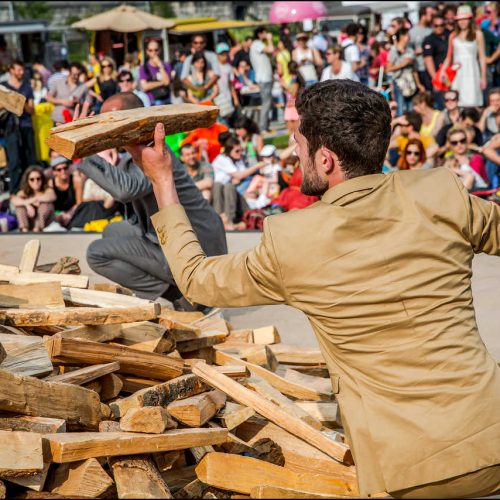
{"x":204,"y":340}
{"x":40,"y":425}
{"x":133,"y":384}
{"x":265,"y":491}
{"x":233,"y":371}
{"x":138,"y":477}
{"x":86,"y":478}
{"x":72,"y":446}
{"x":31,"y":296}
{"x":150,"y":420}
{"x":299,"y":455}
{"x":20,"y":453}
{"x":273,"y":412}
{"x":33,"y":397}
{"x":242,"y":474}
{"x":266,"y":335}
{"x":197,"y":410}
{"x":77,"y":315}
{"x":133,"y":361}
{"x":234,"y":414}
{"x":297,"y":355}
{"x":87,"y":374}
{"x":95,"y":333}
{"x":29,"y":257}
{"x":146,"y":336}
{"x":114,"y":129}
{"x":160,"y":394}
{"x":72,"y":280}
{"x":325,"y":412}
{"x":25,"y":355}
{"x":97,"y":298}
{"x":12,"y":101}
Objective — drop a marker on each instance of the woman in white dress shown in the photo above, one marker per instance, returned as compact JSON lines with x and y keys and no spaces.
{"x":469,"y":52}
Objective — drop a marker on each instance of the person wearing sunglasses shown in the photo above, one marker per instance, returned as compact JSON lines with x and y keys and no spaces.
{"x":452,"y":110}
{"x":154,"y":75}
{"x":468,"y":166}
{"x":126,"y":84}
{"x":34,"y":202}
{"x":414,"y":157}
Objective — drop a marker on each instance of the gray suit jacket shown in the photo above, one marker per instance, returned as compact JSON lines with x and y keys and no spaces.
{"x":127,"y":183}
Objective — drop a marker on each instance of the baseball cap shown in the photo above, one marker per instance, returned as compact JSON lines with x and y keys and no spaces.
{"x":268,"y":150}
{"x":222,"y":47}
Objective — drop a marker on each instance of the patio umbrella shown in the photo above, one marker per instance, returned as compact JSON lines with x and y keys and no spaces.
{"x":291,"y":12}
{"x":125,"y":19}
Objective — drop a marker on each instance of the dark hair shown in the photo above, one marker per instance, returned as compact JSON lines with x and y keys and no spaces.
{"x":423,"y":157}
{"x":494,"y":90}
{"x":77,"y":65}
{"x":248,"y":38}
{"x":258,"y":31}
{"x":230,"y":144}
{"x":349,"y":119}
{"x":352,"y":29}
{"x":25,"y":185}
{"x":401,"y":32}
{"x":198,"y":56}
{"x":422,"y":11}
{"x":414,"y":119}
{"x":125,"y":72}
{"x":248,"y":124}
{"x":16,"y":62}
{"x":456,"y":92}
{"x":223,"y":137}
{"x":186,"y":146}
{"x":471,"y":113}
{"x":437,"y":16}
{"x":449,"y":7}
{"x":423,"y":97}
{"x":293,"y":69}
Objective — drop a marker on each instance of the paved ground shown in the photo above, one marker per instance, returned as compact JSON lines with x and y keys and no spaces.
{"x":292,"y":324}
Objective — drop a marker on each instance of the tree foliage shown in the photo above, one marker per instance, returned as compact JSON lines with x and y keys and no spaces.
{"x":162,"y":9}
{"x":32,"y":10}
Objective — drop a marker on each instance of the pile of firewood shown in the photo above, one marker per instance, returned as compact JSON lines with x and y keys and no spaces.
{"x":106,"y":395}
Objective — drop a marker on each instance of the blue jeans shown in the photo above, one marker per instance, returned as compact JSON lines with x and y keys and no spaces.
{"x":492,"y":171}
{"x":404,"y":103}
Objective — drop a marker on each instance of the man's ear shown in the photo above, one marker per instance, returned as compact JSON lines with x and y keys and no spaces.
{"x":328,"y":160}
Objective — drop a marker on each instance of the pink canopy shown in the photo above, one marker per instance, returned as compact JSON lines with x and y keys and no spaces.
{"x":290,"y":12}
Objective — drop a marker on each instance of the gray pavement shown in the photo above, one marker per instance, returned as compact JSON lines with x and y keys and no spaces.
{"x":292,"y":324}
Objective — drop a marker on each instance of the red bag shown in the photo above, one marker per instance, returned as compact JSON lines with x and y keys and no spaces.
{"x":442,"y":80}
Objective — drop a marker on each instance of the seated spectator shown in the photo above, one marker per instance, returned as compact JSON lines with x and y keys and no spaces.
{"x":468,"y":166}
{"x":34,"y":202}
{"x":68,"y":188}
{"x":250,"y":137}
{"x":265,"y":183}
{"x":127,"y":84}
{"x":469,"y":117}
{"x":248,"y":90}
{"x":229,"y":172}
{"x":206,"y":141}
{"x":491,"y":151}
{"x":179,"y":92}
{"x":154,"y":75}
{"x":414,"y":157}
{"x":198,"y":89}
{"x":201,"y":172}
{"x":432,"y":119}
{"x":488,"y":124}
{"x":292,"y":86}
{"x":451,"y":110}
{"x":336,"y":67}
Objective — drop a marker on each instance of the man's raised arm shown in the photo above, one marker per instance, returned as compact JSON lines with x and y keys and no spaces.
{"x":241,"y":279}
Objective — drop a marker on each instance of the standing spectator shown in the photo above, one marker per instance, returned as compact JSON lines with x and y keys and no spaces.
{"x":291,"y":89}
{"x":154,"y":75}
{"x":227,"y":100}
{"x":488,"y":123}
{"x":34,"y":202}
{"x":243,"y":53}
{"x":283,"y":57}
{"x":435,"y":48}
{"x":259,"y":56}
{"x":61,"y":71}
{"x":351,"y":49}
{"x":432,"y":119}
{"x":449,"y":13}
{"x":414,"y":157}
{"x":378,"y":56}
{"x":107,"y":79}
{"x":19,"y":138}
{"x":337,"y":68}
{"x":66,"y":93}
{"x":198,"y":44}
{"x":38,"y":87}
{"x":201,"y":172}
{"x":364,"y":54}
{"x":308,"y":59}
{"x":400,"y":64}
{"x":468,"y":50}
{"x":417,"y":36}
{"x":451,"y":111}
{"x":251,"y":140}
{"x":126,"y":84}
{"x":198,"y":79}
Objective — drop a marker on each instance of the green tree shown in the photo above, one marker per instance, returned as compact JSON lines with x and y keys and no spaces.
{"x":33,"y":10}
{"x":162,"y":9}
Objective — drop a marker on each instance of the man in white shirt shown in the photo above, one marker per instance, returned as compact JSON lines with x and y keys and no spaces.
{"x":351,"y":50}
{"x":263,"y":71}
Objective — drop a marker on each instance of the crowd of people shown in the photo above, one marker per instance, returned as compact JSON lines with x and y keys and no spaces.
{"x":441,"y":78}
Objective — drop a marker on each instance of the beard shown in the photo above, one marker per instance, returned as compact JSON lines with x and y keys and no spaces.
{"x":312,"y":183}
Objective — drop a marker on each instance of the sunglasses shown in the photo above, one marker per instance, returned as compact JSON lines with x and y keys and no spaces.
{"x":199,"y":43}
{"x":35,"y":179}
{"x":413,"y":153}
{"x":460,"y":141}
{"x":237,"y":151}
{"x":450,"y":99}
{"x":61,"y":169}
{"x":440,"y":25}
{"x":125,"y":80}
{"x":153,"y":50}
{"x":105,"y":66}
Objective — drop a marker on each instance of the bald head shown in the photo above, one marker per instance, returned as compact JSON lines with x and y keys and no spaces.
{"x":122,"y":100}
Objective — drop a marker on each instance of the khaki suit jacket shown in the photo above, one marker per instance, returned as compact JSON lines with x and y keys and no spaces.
{"x":381,"y":266}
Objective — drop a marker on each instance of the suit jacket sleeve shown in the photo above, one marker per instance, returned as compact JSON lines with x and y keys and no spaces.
{"x":241,"y":279}
{"x":485,"y":226}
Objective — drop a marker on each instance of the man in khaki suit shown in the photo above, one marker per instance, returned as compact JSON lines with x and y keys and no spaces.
{"x":381,"y":265}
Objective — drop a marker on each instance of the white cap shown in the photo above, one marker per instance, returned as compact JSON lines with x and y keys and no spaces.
{"x":268,"y":150}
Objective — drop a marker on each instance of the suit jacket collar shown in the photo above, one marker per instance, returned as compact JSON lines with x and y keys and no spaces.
{"x":353,"y":189}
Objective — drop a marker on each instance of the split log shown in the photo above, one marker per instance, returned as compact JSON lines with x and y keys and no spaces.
{"x":40,"y":425}
{"x":133,"y":384}
{"x":86,"y":478}
{"x":111,"y":385}
{"x":199,"y":452}
{"x":204,"y":340}
{"x":20,"y":453}
{"x":29,"y":257}
{"x":132,"y":361}
{"x":161,"y":394}
{"x":197,"y":410}
{"x":73,"y":446}
{"x":242,"y":474}
{"x":274,"y":413}
{"x":12,"y":101}
{"x":33,"y":397}
{"x":26,"y":278}
{"x":146,"y":336}
{"x":96,"y":298}
{"x":177,"y":479}
{"x":234,"y":414}
{"x":150,"y":420}
{"x":114,"y":129}
{"x":31,"y":296}
{"x":109,"y":426}
{"x":84,"y":375}
{"x":77,"y":315}
{"x":25,"y":355}
{"x":138,"y":477}
{"x":321,"y":385}
{"x":95,"y":333}
{"x":266,"y":335}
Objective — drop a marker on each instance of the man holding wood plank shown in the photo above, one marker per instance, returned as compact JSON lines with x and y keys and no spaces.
{"x":130,"y":253}
{"x":381,"y":266}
